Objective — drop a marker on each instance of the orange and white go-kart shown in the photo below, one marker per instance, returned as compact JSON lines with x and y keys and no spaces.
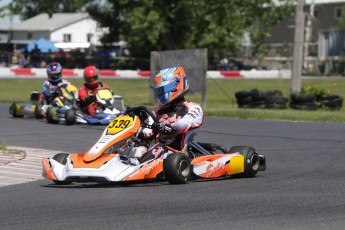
{"x":107,"y":160}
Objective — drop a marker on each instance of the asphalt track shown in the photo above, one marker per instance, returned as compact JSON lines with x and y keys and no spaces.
{"x":303,"y":187}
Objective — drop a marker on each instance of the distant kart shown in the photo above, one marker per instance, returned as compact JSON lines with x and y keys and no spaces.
{"x":108,"y":107}
{"x":108,"y":160}
{"x":64,"y":106}
{"x":30,"y":109}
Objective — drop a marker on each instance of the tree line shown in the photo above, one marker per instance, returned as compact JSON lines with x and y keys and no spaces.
{"x":155,"y":25}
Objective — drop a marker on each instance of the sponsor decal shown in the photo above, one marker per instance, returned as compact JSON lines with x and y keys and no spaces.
{"x":192,"y":115}
{"x":213,"y":168}
{"x":165,"y":119}
{"x":149,"y":167}
{"x":157,"y":152}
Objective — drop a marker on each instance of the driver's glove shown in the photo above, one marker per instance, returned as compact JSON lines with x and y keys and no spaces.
{"x":161,"y":128}
{"x":142,"y":136}
{"x":90,"y":99}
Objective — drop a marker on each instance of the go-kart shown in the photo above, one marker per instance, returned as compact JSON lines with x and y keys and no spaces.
{"x":107,"y":160}
{"x":63,"y":107}
{"x":108,"y":106}
{"x":30,"y":109}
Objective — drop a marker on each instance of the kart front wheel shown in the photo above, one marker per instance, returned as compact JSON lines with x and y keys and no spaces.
{"x":62,"y":159}
{"x":70,"y":117}
{"x":251,"y":159}
{"x":51,"y":116}
{"x":177,"y":168}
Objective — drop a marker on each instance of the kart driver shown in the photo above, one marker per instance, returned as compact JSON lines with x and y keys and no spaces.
{"x":177,"y":117}
{"x":88,"y":90}
{"x":50,"y":86}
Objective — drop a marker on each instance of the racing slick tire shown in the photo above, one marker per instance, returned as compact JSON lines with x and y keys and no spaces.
{"x":16,"y":110}
{"x":177,"y":168}
{"x":251,"y":159}
{"x":70,"y":117}
{"x":62,"y":159}
{"x":51,"y":113}
{"x":38,"y":111}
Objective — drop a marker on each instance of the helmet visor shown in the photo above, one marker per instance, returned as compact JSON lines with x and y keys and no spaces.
{"x":166,"y":88}
{"x":164,"y":99}
{"x":91,"y":79}
{"x":54,"y":76}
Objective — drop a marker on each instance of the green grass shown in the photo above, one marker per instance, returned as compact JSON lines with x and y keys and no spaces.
{"x":4,"y":148}
{"x":220,"y":100}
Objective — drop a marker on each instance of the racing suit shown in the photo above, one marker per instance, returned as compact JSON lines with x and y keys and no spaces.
{"x":182,"y":117}
{"x":49,"y":90}
{"x":87,"y":98}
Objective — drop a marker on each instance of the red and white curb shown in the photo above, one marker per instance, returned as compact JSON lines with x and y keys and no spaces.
{"x":16,"y":72}
{"x":22,"y":167}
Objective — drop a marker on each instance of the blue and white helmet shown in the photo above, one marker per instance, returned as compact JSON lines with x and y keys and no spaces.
{"x":171,"y":83}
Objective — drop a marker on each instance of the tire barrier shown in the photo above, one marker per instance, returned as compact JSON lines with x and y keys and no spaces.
{"x":333,"y":102}
{"x":253,"y":98}
{"x":303,"y":101}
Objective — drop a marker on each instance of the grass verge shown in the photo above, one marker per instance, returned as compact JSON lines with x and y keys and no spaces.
{"x":4,"y":148}
{"x":220,"y":100}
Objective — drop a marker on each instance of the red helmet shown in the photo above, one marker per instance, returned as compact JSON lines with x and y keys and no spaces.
{"x":91,"y":76}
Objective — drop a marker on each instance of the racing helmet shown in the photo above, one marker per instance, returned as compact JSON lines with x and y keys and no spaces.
{"x":171,"y":83}
{"x":54,"y":72}
{"x":91,"y":76}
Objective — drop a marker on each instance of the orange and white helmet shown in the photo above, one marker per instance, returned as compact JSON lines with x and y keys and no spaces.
{"x":171,"y":83}
{"x":91,"y":76}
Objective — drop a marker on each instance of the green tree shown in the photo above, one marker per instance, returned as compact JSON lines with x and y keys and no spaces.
{"x":342,"y":19}
{"x":148,"y":25}
{"x":218,"y":25}
{"x":30,"y":8}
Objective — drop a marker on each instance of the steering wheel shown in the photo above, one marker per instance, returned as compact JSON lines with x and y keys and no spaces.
{"x":143,"y":113}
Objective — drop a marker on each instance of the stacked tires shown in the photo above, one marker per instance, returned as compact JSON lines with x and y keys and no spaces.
{"x":271,"y":99}
{"x":333,"y":102}
{"x":312,"y":102}
{"x":274,"y":99}
{"x":303,"y":101}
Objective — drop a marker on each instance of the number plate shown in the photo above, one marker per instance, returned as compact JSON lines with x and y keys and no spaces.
{"x":119,"y":124}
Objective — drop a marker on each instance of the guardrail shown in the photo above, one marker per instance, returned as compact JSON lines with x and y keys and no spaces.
{"x":139,"y":74}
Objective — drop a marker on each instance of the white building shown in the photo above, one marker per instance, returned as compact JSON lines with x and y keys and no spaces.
{"x":324,"y":39}
{"x":65,"y":30}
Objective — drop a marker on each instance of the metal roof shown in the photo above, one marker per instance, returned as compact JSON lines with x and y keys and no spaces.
{"x":43,"y":22}
{"x":9,"y":21}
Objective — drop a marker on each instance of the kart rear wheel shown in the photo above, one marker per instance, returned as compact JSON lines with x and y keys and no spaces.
{"x":62,"y":159}
{"x":177,"y":168}
{"x":16,"y":110}
{"x":51,"y":116}
{"x":70,"y":117}
{"x":251,"y":159}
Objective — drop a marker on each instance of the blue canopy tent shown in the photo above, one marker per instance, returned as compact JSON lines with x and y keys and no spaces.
{"x":43,"y":44}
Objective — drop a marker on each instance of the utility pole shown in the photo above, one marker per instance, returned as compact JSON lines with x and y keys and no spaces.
{"x":297,"y":62}
{"x":308,"y":33}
